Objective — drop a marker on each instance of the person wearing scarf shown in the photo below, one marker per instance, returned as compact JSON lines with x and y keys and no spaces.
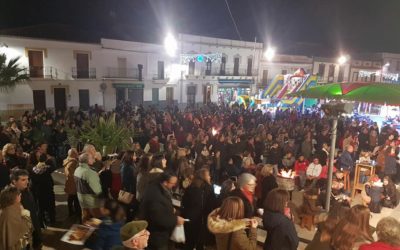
{"x":245,"y":191}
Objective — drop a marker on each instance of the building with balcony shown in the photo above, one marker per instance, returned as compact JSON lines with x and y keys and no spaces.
{"x":329,"y":70}
{"x":215,"y":70}
{"x":79,"y":75}
{"x":282,"y":65}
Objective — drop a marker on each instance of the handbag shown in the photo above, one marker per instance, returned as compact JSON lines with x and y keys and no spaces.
{"x":178,"y":235}
{"x":125,"y":197}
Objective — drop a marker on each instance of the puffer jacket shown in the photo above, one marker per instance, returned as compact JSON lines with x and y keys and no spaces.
{"x":234,"y":229}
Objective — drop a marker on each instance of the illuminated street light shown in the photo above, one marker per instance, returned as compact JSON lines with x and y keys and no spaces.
{"x":343,"y":59}
{"x":170,"y":45}
{"x":269,"y":54}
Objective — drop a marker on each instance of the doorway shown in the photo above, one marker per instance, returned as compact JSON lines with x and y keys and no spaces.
{"x":60,"y":99}
{"x":135,"y":96}
{"x":35,"y":63}
{"x":39,"y":100}
{"x":82,"y":65}
{"x":84,"y":103}
{"x":120,"y":96}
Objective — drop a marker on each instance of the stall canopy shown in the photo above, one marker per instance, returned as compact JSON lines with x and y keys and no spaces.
{"x":379,"y":93}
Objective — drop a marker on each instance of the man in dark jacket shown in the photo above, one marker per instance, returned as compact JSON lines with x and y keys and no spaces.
{"x":157,"y":209}
{"x":20,"y":179}
{"x":346,"y":162}
{"x":245,"y":191}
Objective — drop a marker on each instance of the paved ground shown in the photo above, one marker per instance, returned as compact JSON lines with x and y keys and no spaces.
{"x":52,"y":236}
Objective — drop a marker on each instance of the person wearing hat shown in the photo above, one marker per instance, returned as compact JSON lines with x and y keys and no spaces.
{"x":134,"y":235}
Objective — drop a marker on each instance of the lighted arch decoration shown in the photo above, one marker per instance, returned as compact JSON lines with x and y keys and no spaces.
{"x":212,"y":57}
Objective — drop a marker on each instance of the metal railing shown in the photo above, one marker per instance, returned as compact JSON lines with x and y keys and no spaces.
{"x":45,"y":72}
{"x":160,"y":77}
{"x":85,"y":73}
{"x":131,"y":73}
{"x":227,"y":72}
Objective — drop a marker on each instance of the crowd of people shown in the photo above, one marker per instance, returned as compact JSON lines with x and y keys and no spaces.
{"x":212,"y":170}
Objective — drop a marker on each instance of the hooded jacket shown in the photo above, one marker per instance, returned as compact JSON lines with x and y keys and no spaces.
{"x":281,"y":233}
{"x":224,"y":229}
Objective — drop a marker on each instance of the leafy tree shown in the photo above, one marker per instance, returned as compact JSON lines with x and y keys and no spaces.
{"x":11,"y":73}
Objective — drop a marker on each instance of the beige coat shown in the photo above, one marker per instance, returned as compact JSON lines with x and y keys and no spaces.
{"x":222,"y":229}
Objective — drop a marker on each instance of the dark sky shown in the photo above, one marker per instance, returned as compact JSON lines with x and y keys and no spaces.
{"x":347,"y":25}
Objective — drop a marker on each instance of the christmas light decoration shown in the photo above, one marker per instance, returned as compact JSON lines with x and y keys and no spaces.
{"x":212,"y":57}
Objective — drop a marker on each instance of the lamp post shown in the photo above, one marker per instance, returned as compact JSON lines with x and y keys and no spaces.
{"x":269,"y":54}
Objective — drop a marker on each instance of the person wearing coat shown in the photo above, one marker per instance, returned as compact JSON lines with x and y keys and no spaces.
{"x":157,"y":209}
{"x":197,"y":202}
{"x":245,"y":191}
{"x":229,"y":226}
{"x":281,"y":233}
{"x":70,"y":164}
{"x":15,"y":221}
{"x":108,"y":232}
{"x":43,"y":188}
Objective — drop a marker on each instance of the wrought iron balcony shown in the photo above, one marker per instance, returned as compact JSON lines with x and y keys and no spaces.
{"x":129,"y":73}
{"x":84,"y":73}
{"x":45,"y":72}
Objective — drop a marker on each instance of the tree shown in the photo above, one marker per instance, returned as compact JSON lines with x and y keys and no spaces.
{"x":11,"y":73}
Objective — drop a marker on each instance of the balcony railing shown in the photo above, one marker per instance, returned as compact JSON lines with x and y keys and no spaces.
{"x":131,"y":73}
{"x":45,"y":72}
{"x":227,"y":72}
{"x":160,"y":77}
{"x":88,"y":73}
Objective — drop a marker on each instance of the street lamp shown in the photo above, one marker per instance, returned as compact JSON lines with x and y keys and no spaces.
{"x":343,"y":59}
{"x":170,"y":45}
{"x":269,"y":54}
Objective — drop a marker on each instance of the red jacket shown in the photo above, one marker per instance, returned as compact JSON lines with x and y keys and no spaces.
{"x":301,"y":166}
{"x":324,"y":172}
{"x":378,"y":245}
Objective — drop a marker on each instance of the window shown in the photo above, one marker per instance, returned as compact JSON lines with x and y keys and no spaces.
{"x":398,"y":66}
{"x":223,"y":65}
{"x":191,"y":95}
{"x":208,"y":68}
{"x":249,"y":66}
{"x":236,"y":66}
{"x":160,"y":70}
{"x":192,"y":65}
{"x":331,"y":73}
{"x":122,"y":67}
{"x":321,"y":70}
{"x":35,"y":58}
{"x":341,"y":74}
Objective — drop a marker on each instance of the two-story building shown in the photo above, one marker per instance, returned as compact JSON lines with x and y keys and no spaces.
{"x":329,"y":70}
{"x":70,"y":74}
{"x":216,"y":70}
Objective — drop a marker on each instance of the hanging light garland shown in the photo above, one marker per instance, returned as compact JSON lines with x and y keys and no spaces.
{"x":213,"y":57}
{"x":385,"y":76}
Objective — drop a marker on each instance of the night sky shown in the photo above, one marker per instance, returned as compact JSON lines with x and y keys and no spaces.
{"x":341,"y":25}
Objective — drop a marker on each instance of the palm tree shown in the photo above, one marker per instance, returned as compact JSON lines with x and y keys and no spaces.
{"x":11,"y":73}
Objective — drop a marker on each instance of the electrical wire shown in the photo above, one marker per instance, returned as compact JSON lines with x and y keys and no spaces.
{"x":233,"y":20}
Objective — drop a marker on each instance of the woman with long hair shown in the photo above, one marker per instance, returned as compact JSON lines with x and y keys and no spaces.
{"x":322,"y":238}
{"x":281,"y":233}
{"x":197,"y":202}
{"x":128,"y":172}
{"x":228,"y":225}
{"x":353,"y":230}
{"x":390,"y":193}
